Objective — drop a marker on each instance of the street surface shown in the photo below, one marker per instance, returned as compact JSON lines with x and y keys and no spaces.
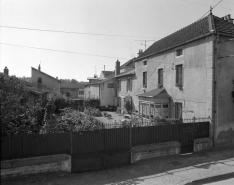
{"x":214,"y":167}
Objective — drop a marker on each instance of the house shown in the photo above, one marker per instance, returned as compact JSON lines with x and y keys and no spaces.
{"x":73,"y":90}
{"x":106,"y":74}
{"x":190,"y":73}
{"x":37,"y":93}
{"x":101,"y":88}
{"x":124,"y":80}
{"x":48,"y":80}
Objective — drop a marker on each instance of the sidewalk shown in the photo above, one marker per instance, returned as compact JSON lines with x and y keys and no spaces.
{"x":181,"y":169}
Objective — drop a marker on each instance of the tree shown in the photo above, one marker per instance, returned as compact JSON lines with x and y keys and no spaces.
{"x":12,"y":91}
{"x":73,"y":80}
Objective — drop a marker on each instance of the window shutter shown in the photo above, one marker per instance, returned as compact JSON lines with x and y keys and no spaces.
{"x":130,"y":84}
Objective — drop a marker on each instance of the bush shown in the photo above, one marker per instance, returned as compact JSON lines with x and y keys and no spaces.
{"x":94,"y":103}
{"x":118,"y":110}
{"x":93,"y":112}
{"x":105,"y":114}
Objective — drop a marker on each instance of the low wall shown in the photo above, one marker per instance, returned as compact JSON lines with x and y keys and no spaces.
{"x":97,"y":162}
{"x":202,"y":144}
{"x":154,"y":150}
{"x":31,"y":165}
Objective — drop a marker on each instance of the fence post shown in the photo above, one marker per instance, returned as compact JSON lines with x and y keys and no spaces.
{"x":130,"y":142}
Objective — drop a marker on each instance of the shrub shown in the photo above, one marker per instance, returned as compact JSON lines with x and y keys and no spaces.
{"x":92,"y":103}
{"x":93,"y":112}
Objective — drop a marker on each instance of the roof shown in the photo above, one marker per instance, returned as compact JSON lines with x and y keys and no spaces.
{"x":159,"y":92}
{"x":71,"y":85}
{"x":32,"y":87}
{"x":206,"y":26}
{"x":108,"y":73}
{"x":46,"y":74}
{"x":126,"y":63}
{"x":132,"y":72}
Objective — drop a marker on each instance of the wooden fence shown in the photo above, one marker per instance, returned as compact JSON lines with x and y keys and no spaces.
{"x":23,"y":146}
{"x":91,"y":143}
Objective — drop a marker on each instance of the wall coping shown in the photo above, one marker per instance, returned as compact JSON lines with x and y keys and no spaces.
{"x":15,"y":163}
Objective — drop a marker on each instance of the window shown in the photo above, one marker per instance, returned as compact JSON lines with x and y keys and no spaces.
{"x":145,"y":63}
{"x":81,"y":92}
{"x":119,"y":85}
{"x":145,"y":79}
{"x":160,"y":77}
{"x":178,"y":110}
{"x":150,"y":110}
{"x":179,"y":75}
{"x":129,"y":84}
{"x":179,"y":52}
{"x":110,"y":85}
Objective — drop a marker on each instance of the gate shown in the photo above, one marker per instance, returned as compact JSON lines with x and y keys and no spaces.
{"x":191,"y":131}
{"x":186,"y":137}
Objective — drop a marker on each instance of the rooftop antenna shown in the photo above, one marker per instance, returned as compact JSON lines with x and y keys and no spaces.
{"x":211,"y":9}
{"x":145,"y":42}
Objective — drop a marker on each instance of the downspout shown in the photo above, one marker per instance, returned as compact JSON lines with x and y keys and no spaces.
{"x":214,"y":81}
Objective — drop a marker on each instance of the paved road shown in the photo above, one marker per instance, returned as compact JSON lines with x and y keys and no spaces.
{"x":216,"y":166}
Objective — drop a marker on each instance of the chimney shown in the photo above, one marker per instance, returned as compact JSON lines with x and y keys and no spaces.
{"x":6,"y":71}
{"x":117,"y":68}
{"x":228,"y":18}
{"x":39,"y":67}
{"x":140,"y":52}
{"x":104,"y":67}
{"x":39,"y":83}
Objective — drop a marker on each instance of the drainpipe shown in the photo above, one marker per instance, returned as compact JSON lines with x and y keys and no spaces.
{"x":214,"y":98}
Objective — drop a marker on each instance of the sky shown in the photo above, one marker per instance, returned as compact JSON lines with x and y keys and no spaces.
{"x":93,"y":33}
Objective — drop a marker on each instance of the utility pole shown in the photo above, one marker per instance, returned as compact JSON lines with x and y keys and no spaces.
{"x":144,"y":42}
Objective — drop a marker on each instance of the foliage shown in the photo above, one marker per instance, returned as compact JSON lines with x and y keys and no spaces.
{"x":12,"y":92}
{"x":92,"y":112}
{"x":105,"y":114}
{"x":118,"y":110}
{"x":71,"y":120}
{"x":92,"y":103}
{"x":73,"y":81}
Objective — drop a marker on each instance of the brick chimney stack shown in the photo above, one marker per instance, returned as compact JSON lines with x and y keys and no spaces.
{"x":117,"y":68}
{"x":6,"y":71}
{"x":140,"y":52}
{"x":39,"y":83}
{"x":228,"y":18}
{"x":39,"y":67}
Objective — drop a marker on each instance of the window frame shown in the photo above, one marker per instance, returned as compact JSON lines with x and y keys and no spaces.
{"x":179,"y":49}
{"x":144,"y":75}
{"x":160,"y":76}
{"x":144,"y":63}
{"x":179,"y":77}
{"x":177,"y":106}
{"x":119,"y":85}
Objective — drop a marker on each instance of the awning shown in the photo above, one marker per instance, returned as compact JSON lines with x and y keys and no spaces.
{"x":156,"y":93}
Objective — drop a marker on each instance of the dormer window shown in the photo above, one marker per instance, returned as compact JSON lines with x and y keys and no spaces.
{"x":145,"y":63}
{"x":179,"y":52}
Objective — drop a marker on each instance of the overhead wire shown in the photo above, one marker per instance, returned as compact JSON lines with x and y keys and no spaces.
{"x":212,"y":8}
{"x":61,"y":51}
{"x":73,"y":32}
{"x":205,"y":4}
